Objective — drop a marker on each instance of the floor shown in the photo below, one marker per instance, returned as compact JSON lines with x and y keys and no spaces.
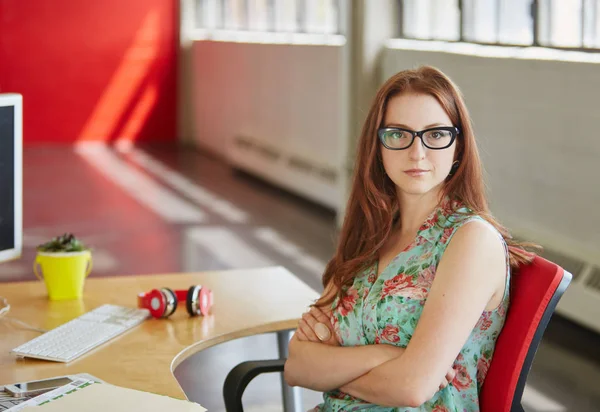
{"x":166,"y":209}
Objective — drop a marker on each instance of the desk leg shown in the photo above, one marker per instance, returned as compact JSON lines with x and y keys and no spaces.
{"x":292,"y":396}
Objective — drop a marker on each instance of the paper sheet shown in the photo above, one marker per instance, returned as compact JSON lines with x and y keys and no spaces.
{"x":101,"y":397}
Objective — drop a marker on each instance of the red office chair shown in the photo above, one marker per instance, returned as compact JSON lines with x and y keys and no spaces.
{"x":535,"y":292}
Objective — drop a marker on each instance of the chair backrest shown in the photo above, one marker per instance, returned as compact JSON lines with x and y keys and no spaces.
{"x":535,"y":292}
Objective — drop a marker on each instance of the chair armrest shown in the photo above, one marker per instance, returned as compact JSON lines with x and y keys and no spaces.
{"x":241,"y":375}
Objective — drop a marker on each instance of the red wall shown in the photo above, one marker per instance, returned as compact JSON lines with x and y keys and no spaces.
{"x":91,"y":69}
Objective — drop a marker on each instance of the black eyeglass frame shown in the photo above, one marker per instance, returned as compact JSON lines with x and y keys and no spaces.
{"x":455,"y":131}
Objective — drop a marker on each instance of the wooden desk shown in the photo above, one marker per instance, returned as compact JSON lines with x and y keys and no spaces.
{"x":247,"y":302}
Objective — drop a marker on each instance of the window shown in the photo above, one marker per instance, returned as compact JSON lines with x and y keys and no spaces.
{"x":320,"y":16}
{"x":515,"y":22}
{"x":550,"y":23}
{"x":296,"y":16}
{"x":442,"y":23}
{"x":208,"y":14}
{"x":481,"y":22}
{"x":234,"y":14}
{"x":591,"y":24}
{"x":286,"y":16}
{"x":259,"y":15}
{"x":563,"y":24}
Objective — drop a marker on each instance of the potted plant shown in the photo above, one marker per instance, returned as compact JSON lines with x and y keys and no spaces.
{"x":64,"y":262}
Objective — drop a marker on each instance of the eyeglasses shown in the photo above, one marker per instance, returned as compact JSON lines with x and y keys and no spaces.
{"x":437,"y":138}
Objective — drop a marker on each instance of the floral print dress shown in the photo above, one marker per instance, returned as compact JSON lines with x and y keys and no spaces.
{"x":386,"y":309}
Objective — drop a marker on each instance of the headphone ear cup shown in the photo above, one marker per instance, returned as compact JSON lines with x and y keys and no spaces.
{"x":155,"y":301}
{"x":192,"y":295}
{"x":205,"y":300}
{"x":170,"y":297}
{"x":199,"y":300}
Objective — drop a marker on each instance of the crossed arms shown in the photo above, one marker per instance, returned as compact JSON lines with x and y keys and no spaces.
{"x":391,"y":376}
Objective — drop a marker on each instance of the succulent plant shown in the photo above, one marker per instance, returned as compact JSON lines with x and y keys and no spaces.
{"x":64,"y":243}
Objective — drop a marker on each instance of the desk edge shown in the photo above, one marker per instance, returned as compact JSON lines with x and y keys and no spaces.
{"x":270,"y":327}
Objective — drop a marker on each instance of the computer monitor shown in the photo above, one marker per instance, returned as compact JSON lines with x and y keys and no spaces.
{"x":11,"y":176}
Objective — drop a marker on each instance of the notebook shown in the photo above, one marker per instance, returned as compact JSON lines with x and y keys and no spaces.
{"x":103,"y":397}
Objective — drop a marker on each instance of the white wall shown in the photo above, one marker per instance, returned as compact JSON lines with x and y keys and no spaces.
{"x":280,"y":97}
{"x":536,"y":119}
{"x":538,"y":128}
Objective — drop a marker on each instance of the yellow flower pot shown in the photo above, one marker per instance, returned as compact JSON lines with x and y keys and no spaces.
{"x":63,"y":272}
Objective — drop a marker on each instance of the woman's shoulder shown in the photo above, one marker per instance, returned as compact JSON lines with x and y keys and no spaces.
{"x":456,"y":217}
{"x":480,"y":244}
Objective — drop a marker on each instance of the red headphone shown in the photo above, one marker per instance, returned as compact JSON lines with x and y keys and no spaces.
{"x":162,"y":302}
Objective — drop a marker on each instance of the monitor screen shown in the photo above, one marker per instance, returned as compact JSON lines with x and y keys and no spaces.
{"x":11,"y":175}
{"x":7,"y":178}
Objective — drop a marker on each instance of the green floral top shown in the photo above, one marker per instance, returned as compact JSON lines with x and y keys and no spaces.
{"x":386,"y":309}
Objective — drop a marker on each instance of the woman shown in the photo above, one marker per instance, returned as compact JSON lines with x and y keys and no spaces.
{"x":418,"y":289}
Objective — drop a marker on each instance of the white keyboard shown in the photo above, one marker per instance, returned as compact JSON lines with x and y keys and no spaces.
{"x":82,"y":334}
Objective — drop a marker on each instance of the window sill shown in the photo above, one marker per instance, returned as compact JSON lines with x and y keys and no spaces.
{"x":484,"y":50}
{"x":240,"y":36}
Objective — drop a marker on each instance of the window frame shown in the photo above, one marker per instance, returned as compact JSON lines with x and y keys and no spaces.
{"x":303,"y":24}
{"x":536,"y":27}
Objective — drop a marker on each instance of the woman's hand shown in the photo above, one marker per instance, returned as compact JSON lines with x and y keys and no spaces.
{"x":448,"y":378}
{"x":315,"y":326}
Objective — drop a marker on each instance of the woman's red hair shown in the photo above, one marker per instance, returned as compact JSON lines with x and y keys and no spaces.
{"x":372,"y":204}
